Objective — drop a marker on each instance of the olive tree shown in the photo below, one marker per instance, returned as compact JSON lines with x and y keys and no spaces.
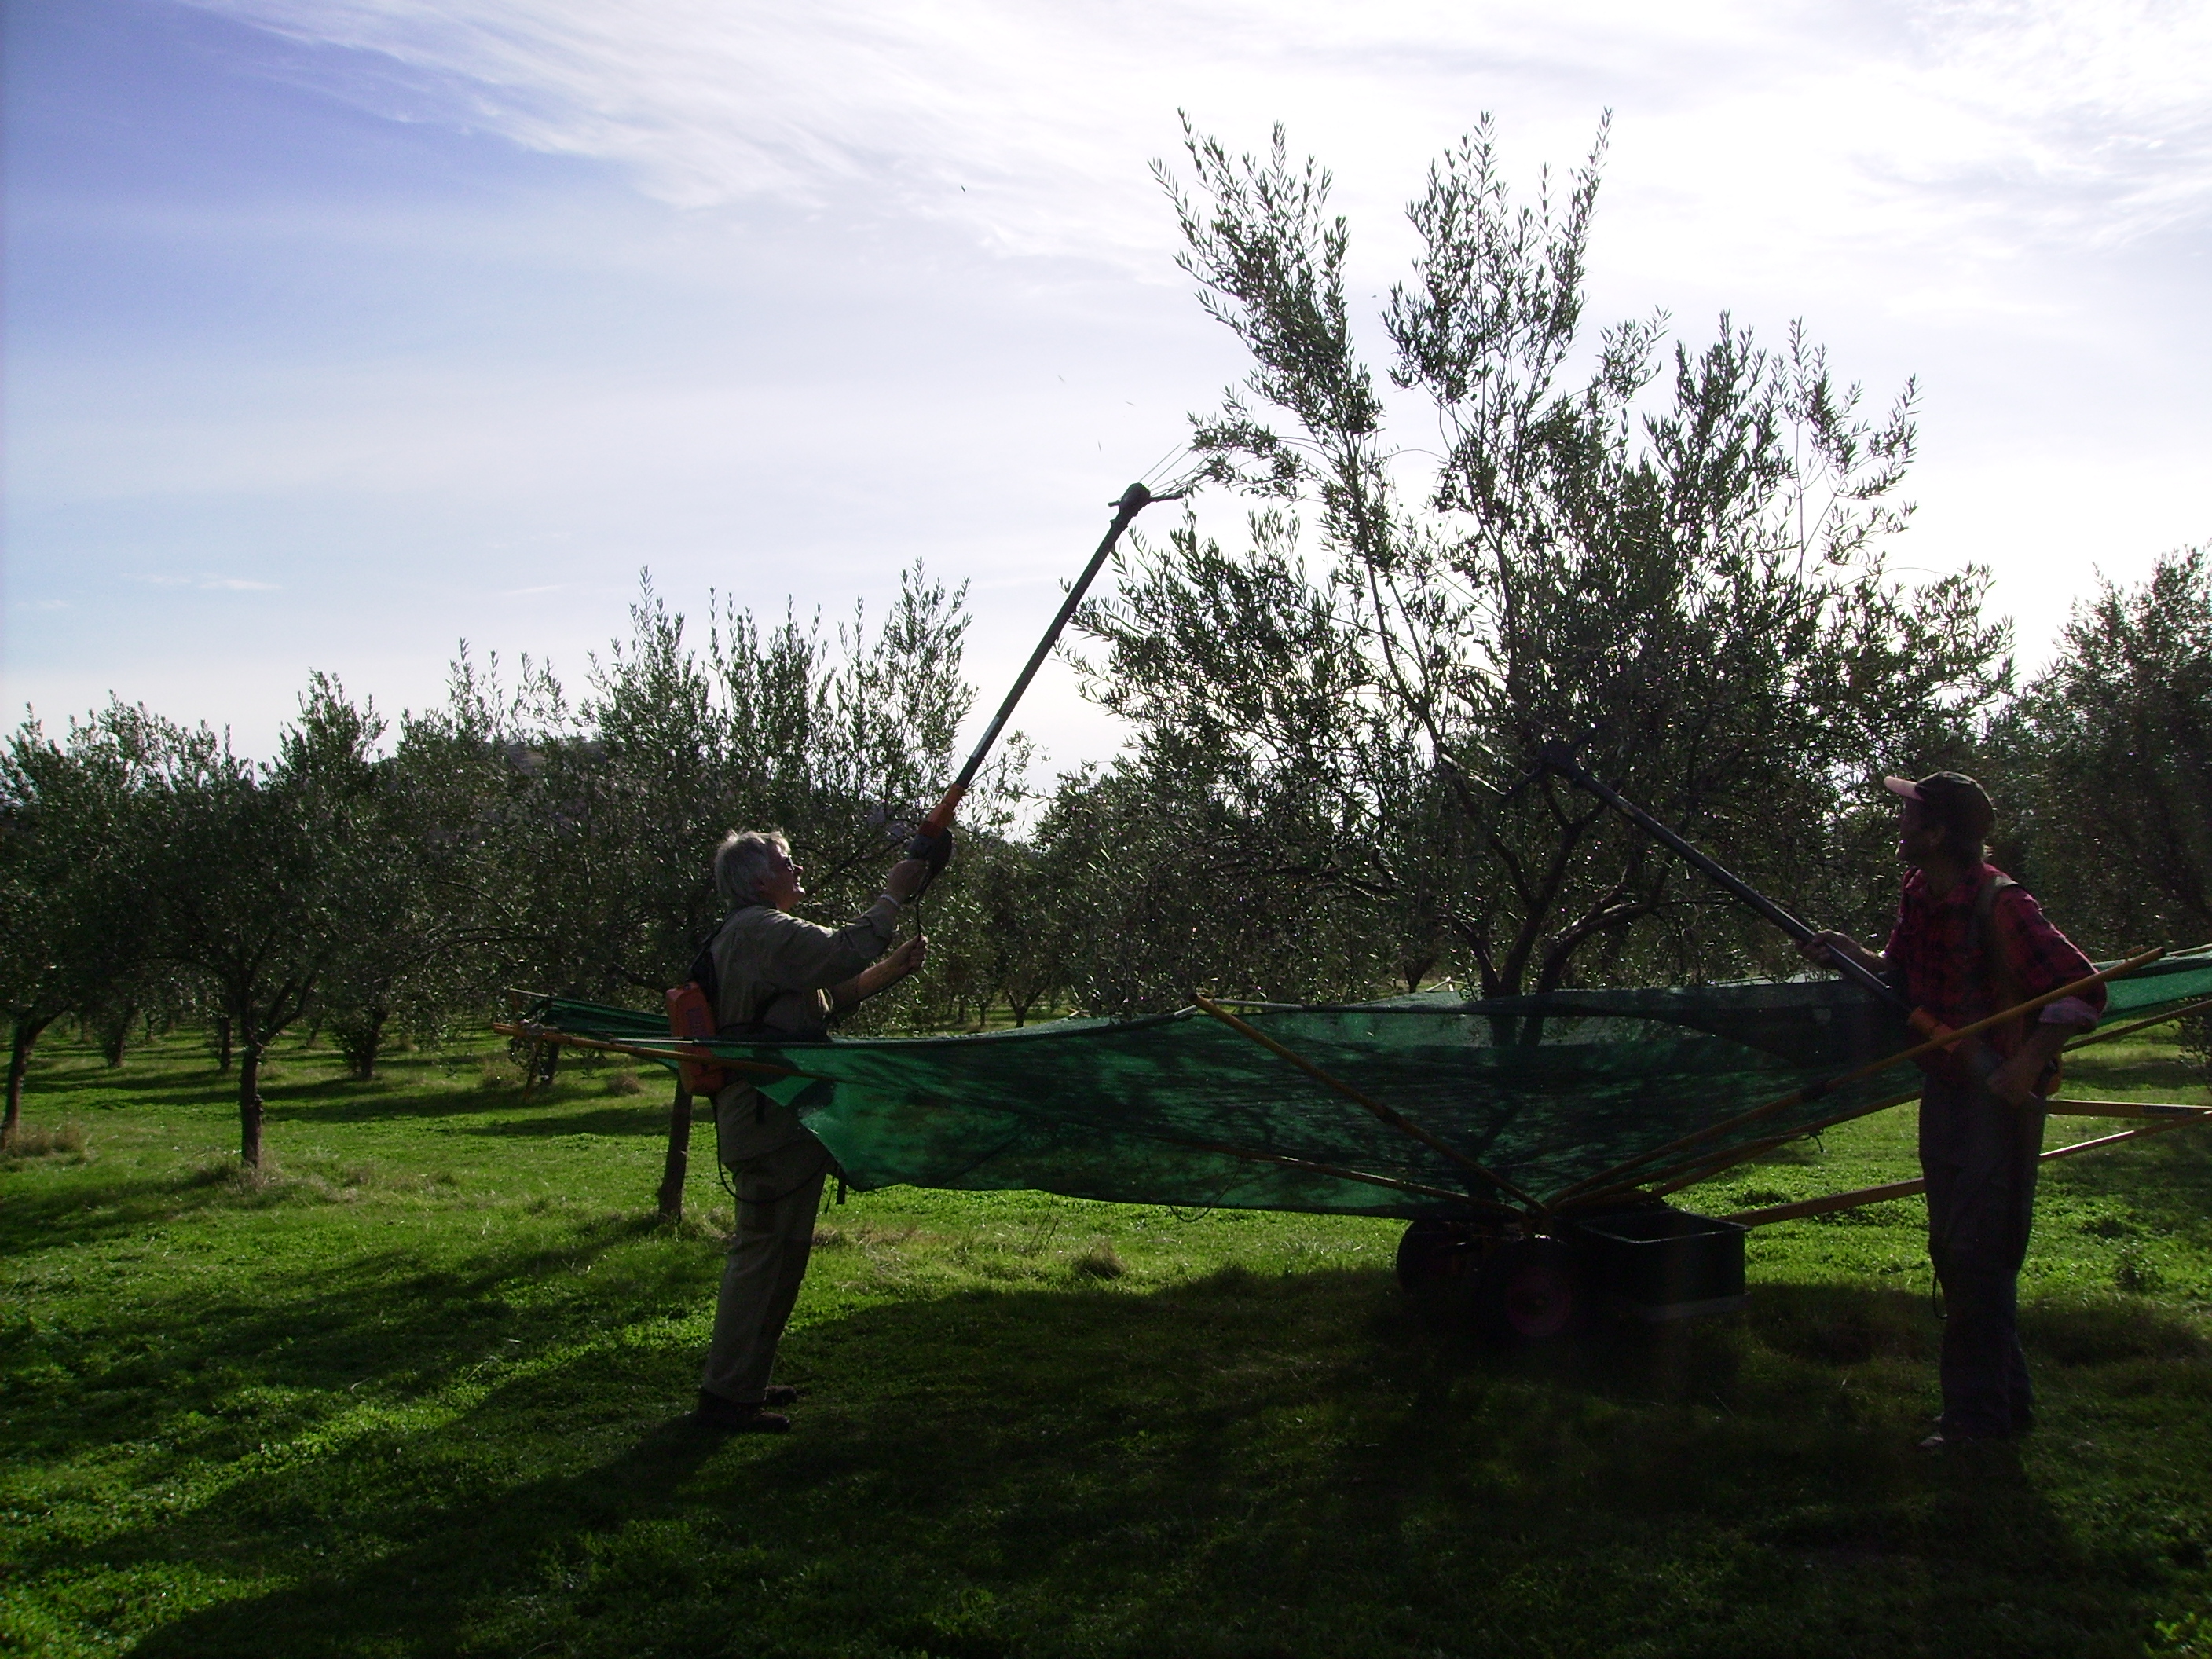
{"x":74,"y":929}
{"x":1671,"y":557}
{"x":251,"y":870}
{"x":410,"y":916}
{"x":2107,"y":760}
{"x":1150,"y":884}
{"x":600,"y":818}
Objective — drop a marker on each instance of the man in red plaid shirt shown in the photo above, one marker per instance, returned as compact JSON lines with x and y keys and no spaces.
{"x":1969,"y":943}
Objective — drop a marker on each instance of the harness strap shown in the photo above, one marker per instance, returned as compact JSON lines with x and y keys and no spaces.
{"x":1985,"y":943}
{"x":1985,"y":940}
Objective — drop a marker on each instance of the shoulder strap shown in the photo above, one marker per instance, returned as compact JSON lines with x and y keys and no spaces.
{"x":703,"y":973}
{"x":1986,"y":940}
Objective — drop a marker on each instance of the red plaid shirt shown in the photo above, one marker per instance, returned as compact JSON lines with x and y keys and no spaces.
{"x":1928,"y":958}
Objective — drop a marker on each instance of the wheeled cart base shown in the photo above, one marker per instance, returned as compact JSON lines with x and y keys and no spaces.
{"x":1652,"y":1264}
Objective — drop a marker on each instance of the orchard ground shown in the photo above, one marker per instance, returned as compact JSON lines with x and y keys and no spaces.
{"x":416,"y":1389}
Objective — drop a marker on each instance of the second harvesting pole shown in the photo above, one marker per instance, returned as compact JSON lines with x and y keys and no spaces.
{"x":1560,"y":758}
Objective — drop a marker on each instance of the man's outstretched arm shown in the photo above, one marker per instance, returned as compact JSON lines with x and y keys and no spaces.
{"x":881,"y":976}
{"x":1823,"y":948}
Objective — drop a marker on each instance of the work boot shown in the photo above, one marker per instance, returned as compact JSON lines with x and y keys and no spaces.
{"x":779,"y":1393}
{"x":734,"y":1417}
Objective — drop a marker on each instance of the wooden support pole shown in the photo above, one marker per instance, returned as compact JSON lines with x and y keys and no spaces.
{"x":1337,"y":1172}
{"x":1872,"y":1068}
{"x":1832,"y":1201}
{"x":679,"y":1161}
{"x":2139,"y":1025}
{"x":1907,"y":1188}
{"x":668,"y":1050}
{"x":1658,"y":1183}
{"x":2124,"y":1108}
{"x":1395,"y":1119}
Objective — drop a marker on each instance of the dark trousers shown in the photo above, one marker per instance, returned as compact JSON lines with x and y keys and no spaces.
{"x":1979,"y":1155}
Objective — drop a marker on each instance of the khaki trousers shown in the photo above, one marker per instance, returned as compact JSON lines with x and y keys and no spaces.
{"x":779,"y":1192}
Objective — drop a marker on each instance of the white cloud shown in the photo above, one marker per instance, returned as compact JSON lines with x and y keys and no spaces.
{"x":898,"y":225}
{"x":207,"y":584}
{"x":2014,"y":122}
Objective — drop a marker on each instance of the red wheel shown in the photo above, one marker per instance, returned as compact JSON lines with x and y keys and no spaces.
{"x":1531,"y":1291}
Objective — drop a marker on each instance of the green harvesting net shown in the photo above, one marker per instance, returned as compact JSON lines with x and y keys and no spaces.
{"x":1568,"y":1097}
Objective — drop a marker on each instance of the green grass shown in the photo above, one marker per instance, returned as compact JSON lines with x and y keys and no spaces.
{"x":416,"y":1393}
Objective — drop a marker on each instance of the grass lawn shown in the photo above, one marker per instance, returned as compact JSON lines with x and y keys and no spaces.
{"x":418,"y":1393}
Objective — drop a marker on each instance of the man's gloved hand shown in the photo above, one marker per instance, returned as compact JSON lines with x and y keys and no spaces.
{"x":935,"y":851}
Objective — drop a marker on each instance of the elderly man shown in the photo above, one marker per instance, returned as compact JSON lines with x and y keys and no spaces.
{"x":1969,"y":942}
{"x":778,"y":976}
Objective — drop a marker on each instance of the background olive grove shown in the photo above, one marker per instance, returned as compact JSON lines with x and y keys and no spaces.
{"x":1669,"y":553}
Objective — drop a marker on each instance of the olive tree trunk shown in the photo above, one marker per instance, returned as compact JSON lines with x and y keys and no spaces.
{"x":18,"y":1062}
{"x":116,"y":1036}
{"x":249,"y":1102}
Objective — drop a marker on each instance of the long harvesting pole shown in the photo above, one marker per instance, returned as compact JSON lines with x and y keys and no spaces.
{"x":930,"y":837}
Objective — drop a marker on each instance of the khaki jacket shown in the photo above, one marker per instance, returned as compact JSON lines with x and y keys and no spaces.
{"x":775,"y":974}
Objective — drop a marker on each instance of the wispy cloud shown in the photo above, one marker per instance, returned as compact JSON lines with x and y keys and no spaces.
{"x":2036,"y":119}
{"x":207,"y":584}
{"x":410,"y":406}
{"x":2091,"y":117}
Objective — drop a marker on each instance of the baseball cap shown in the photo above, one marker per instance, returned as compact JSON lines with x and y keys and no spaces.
{"x":1954,"y":799}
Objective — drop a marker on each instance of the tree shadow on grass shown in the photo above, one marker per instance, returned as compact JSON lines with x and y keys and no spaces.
{"x":104,"y":1209}
{"x":2139,"y":1068}
{"x":98,"y":1207}
{"x":337,"y":1097}
{"x":303,"y":1086}
{"x":105,"y":1090}
{"x":180,"y":1071}
{"x":574,"y":1110}
{"x":1239,"y":1464}
{"x":586,"y":1119}
{"x":307,"y":1339}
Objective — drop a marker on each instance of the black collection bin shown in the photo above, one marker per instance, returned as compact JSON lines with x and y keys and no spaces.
{"x":1664,"y":1263}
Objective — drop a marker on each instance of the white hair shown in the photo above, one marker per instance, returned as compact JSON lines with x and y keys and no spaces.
{"x":741,"y":860}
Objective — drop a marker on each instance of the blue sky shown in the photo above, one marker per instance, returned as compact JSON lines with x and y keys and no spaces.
{"x":338,"y":330}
